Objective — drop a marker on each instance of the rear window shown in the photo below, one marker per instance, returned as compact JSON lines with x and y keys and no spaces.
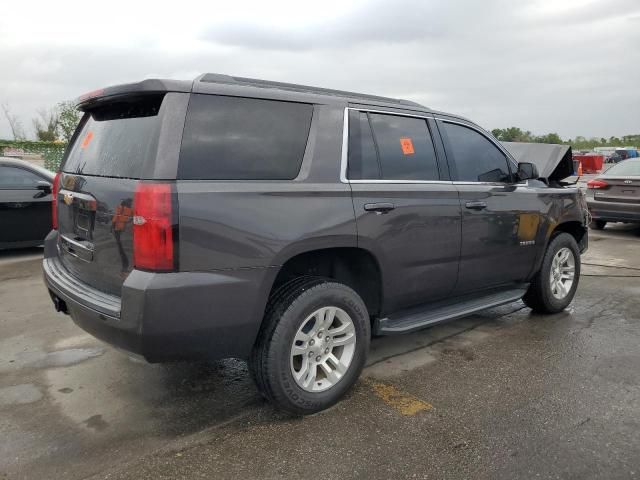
{"x":119,"y":139}
{"x":232,"y":138}
{"x":628,"y":167}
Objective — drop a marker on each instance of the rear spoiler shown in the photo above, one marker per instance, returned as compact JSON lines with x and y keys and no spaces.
{"x":153,"y":85}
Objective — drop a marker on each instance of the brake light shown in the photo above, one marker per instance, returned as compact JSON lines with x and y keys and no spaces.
{"x":153,"y":237}
{"x":54,"y":201}
{"x":596,"y":184}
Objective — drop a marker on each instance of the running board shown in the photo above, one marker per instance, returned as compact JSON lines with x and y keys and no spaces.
{"x":424,"y":316}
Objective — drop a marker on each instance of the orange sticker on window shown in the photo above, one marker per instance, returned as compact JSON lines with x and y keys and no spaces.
{"x":407,"y":146}
{"x":87,"y":139}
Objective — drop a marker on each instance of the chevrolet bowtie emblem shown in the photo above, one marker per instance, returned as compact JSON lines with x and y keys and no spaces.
{"x":68,"y":198}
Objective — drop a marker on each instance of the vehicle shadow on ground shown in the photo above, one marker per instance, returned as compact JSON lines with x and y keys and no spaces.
{"x":20,"y":253}
{"x":210,"y":393}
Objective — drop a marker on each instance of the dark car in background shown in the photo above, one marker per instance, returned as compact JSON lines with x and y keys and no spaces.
{"x":25,"y":203}
{"x":614,"y":196}
{"x":285,"y":224}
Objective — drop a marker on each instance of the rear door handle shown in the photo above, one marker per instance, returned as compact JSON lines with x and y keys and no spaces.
{"x":379,"y":207}
{"x":476,"y":205}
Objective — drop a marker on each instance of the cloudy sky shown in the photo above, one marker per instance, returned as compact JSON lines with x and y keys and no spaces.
{"x":566,"y":66}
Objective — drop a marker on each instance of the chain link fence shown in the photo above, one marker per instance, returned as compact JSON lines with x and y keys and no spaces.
{"x":47,"y":154}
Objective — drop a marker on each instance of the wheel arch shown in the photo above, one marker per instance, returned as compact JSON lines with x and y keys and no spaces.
{"x":573,"y":227}
{"x":356,"y":267}
{"x":577,"y":229}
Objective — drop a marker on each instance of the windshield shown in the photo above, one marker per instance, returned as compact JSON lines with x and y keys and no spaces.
{"x":628,"y":167}
{"x":119,"y":139}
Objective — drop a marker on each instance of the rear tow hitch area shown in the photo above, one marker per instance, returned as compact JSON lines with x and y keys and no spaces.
{"x":59,"y":304}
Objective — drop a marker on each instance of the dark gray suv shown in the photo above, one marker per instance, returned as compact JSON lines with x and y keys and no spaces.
{"x":284,"y":224}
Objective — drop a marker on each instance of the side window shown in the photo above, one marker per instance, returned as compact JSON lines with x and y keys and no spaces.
{"x":363,"y":159}
{"x":17,"y":179}
{"x":405,"y":148}
{"x":234,"y":138}
{"x":476,"y":158}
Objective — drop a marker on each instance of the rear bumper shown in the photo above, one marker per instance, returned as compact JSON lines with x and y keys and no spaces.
{"x":614,"y":211}
{"x":167,"y":316}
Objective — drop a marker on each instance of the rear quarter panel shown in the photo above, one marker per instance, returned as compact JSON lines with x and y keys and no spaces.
{"x":253,"y":224}
{"x":260,"y":224}
{"x":255,"y":227}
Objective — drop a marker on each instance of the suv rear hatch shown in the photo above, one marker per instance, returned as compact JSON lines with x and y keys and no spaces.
{"x":121,"y":141}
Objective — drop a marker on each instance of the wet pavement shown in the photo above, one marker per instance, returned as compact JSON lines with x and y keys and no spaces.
{"x":504,"y":394}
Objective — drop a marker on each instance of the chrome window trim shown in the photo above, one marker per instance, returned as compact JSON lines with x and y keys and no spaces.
{"x":404,"y":182}
{"x":481,"y":183}
{"x":345,"y":148}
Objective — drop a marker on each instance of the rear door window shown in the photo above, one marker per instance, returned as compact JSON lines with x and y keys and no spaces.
{"x":476,"y":158}
{"x":405,"y":148}
{"x":401,"y":145}
{"x":363,"y":158}
{"x":233,"y":138}
{"x":119,"y":139}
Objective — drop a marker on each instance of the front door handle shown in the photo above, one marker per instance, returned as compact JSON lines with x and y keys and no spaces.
{"x":476,"y":205}
{"x":379,"y":207}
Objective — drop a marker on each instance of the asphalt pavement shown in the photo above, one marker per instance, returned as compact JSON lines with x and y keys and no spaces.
{"x":504,"y":394}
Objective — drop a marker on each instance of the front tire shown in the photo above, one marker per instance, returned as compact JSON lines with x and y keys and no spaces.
{"x":312,"y":346}
{"x":554,"y":286}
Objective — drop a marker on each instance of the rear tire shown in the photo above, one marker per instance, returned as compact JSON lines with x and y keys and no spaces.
{"x":597,"y":224}
{"x":554,"y":286}
{"x":312,"y":345}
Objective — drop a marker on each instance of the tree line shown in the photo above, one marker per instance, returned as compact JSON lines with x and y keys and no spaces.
{"x":50,"y":125}
{"x":515,"y":134}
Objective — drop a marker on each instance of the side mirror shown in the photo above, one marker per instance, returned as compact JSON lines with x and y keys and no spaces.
{"x":527,"y":171}
{"x":44,"y":187}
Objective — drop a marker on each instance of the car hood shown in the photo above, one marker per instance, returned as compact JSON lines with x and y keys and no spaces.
{"x":554,"y":162}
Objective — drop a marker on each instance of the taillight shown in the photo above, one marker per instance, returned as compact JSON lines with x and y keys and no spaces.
{"x":595,"y":184}
{"x":54,"y":201}
{"x":153,"y":238}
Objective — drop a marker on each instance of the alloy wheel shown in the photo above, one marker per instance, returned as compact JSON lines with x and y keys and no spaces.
{"x":323,"y":349}
{"x":563,"y":271}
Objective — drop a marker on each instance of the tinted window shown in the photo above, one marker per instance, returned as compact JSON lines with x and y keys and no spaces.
{"x":230,"y":138}
{"x":363,"y":159}
{"x":117,"y":140}
{"x":405,"y":148}
{"x":476,"y":158}
{"x":18,"y":178}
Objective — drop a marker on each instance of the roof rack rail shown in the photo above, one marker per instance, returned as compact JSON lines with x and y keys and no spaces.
{"x":254,"y":82}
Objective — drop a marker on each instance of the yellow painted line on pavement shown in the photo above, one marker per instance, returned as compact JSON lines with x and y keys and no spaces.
{"x":404,"y":403}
